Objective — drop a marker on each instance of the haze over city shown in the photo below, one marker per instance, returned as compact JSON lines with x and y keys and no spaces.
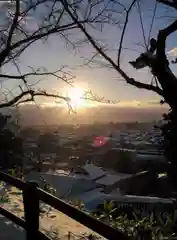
{"x":32,"y":115}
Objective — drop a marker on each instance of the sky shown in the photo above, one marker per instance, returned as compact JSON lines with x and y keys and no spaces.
{"x":104,"y":82}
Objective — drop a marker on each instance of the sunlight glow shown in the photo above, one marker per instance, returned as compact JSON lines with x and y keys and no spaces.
{"x":76,"y":95}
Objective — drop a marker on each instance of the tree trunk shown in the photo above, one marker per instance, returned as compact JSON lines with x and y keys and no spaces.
{"x":170,"y":146}
{"x":168,"y":83}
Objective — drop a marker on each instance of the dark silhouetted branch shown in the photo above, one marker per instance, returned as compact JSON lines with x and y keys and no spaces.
{"x":161,"y":40}
{"x":14,"y":24}
{"x":30,"y":94}
{"x":54,"y":74}
{"x":123,"y":30}
{"x":107,"y":58}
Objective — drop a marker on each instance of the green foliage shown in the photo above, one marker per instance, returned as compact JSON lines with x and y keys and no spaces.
{"x":48,"y":187}
{"x":4,"y":198}
{"x":150,"y":227}
{"x":11,"y":146}
{"x":155,"y":226}
{"x":79,"y":204}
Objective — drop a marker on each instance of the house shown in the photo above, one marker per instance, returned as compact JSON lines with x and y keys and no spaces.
{"x":66,"y":186}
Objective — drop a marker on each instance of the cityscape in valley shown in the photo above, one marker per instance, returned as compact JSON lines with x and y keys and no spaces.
{"x":99,"y":160}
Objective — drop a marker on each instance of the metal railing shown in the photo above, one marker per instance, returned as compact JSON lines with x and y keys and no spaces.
{"x":31,"y":197}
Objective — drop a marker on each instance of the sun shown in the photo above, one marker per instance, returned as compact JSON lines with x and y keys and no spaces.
{"x":76,"y":96}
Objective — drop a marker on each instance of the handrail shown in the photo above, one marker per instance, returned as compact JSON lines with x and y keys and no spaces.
{"x":19,"y":221}
{"x":32,"y":212}
{"x":81,"y":217}
{"x":12,"y":181}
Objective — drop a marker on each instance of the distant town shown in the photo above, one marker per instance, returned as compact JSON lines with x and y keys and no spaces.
{"x":121,"y":148}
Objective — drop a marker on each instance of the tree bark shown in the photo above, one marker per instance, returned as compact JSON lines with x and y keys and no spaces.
{"x":170,"y":146}
{"x":169,"y":85}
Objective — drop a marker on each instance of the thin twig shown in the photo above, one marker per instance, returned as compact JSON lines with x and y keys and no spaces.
{"x":107,"y":58}
{"x":123,"y":31}
{"x":152,"y":22}
{"x":142,"y":27}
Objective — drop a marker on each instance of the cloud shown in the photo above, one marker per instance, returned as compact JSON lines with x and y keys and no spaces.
{"x":173,"y":52}
{"x":133,"y":103}
{"x":154,"y":102}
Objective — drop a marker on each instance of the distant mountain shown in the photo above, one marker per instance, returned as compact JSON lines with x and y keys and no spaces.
{"x":32,"y":115}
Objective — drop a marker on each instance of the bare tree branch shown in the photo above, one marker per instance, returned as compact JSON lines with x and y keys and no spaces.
{"x":161,"y":40}
{"x":141,"y":22}
{"x":31,"y":94}
{"x":64,"y":16}
{"x":90,"y":96}
{"x":17,"y":38}
{"x":152,"y":22}
{"x":14,"y":24}
{"x":106,"y":57}
{"x":123,"y":30}
{"x":55,"y":74}
{"x":6,"y":51}
{"x":36,"y":37}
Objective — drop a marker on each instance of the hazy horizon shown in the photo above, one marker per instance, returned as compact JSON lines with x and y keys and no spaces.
{"x":32,"y":115}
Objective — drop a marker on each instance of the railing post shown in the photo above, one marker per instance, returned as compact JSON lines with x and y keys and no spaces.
{"x":31,"y":210}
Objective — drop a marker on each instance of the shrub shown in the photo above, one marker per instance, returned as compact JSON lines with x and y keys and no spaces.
{"x":155,"y":226}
